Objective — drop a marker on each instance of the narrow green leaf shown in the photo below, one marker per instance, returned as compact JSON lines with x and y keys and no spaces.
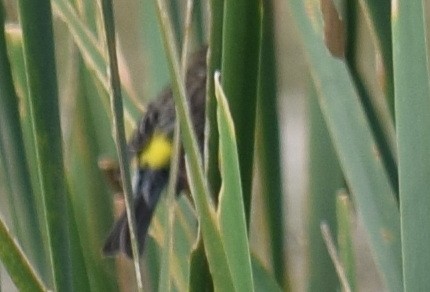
{"x":379,"y":19}
{"x":216,"y":255}
{"x":119,"y":131}
{"x":263,"y":280}
{"x":200,"y":279}
{"x":92,"y":209}
{"x":100,"y":113}
{"x":355,"y":146}
{"x":88,"y":44}
{"x":412,"y":94}
{"x":325,"y":178}
{"x":92,"y":53}
{"x":89,"y":13}
{"x":21,"y":197}
{"x":239,"y":70}
{"x":165,"y":283}
{"x":152,"y":259}
{"x":213,"y":64}
{"x":5,"y":191}
{"x":157,"y":74}
{"x":380,"y":117}
{"x":199,"y":22}
{"x":174,"y":8}
{"x":332,"y":250}
{"x":199,"y":188}
{"x":16,"y":53}
{"x":17,"y":265}
{"x":184,"y":233}
{"x":231,"y":210}
{"x":167,"y":251}
{"x":36,"y":21}
{"x":344,"y":238}
{"x":80,"y":276}
{"x":268,"y":146}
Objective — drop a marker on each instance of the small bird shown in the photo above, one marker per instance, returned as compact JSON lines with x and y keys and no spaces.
{"x":152,"y":144}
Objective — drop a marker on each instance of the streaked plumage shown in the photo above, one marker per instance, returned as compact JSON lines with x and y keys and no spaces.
{"x":154,"y":132}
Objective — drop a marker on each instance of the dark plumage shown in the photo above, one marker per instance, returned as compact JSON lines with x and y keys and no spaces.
{"x":149,"y":183}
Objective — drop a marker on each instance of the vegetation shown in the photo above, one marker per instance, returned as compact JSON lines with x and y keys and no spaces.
{"x":75,"y":77}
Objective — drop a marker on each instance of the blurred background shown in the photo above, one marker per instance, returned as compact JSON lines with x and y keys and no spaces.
{"x":144,"y":73}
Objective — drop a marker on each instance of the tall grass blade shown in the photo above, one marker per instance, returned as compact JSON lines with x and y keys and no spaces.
{"x":239,"y":71}
{"x":154,"y":55}
{"x":119,"y":131}
{"x":325,"y":178}
{"x":379,"y":19}
{"x":92,"y":52}
{"x":344,"y":238}
{"x":355,"y":146}
{"x":331,"y":247}
{"x":412,"y":95}
{"x":380,"y":118}
{"x":16,"y":53}
{"x":200,"y":279}
{"x":166,"y":272}
{"x":92,"y":208}
{"x":269,"y":152}
{"x":19,"y":268}
{"x":199,"y":188}
{"x":80,"y":276}
{"x":263,"y":280}
{"x":165,"y":284}
{"x":184,"y":232}
{"x":36,"y":21}
{"x":22,"y":198}
{"x":231,"y":210}
{"x":216,"y":8}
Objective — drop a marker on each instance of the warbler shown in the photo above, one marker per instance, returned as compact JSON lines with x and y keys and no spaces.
{"x":151,"y":145}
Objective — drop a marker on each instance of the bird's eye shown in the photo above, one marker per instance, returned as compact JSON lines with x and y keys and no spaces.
{"x":154,"y":118}
{"x":148,"y":123}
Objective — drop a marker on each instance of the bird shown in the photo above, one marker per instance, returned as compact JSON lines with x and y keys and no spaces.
{"x":151,"y":144}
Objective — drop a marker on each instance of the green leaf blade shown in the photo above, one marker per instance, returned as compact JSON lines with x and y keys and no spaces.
{"x":36,"y":21}
{"x":263,"y":280}
{"x":355,"y":146}
{"x":412,"y":96}
{"x":18,"y":266}
{"x":344,"y":238}
{"x":231,"y":210}
{"x":325,"y":179}
{"x":199,"y":188}
{"x":239,"y":69}
{"x":22,"y":197}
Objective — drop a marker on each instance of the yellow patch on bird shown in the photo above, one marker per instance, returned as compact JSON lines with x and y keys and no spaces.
{"x":157,"y":153}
